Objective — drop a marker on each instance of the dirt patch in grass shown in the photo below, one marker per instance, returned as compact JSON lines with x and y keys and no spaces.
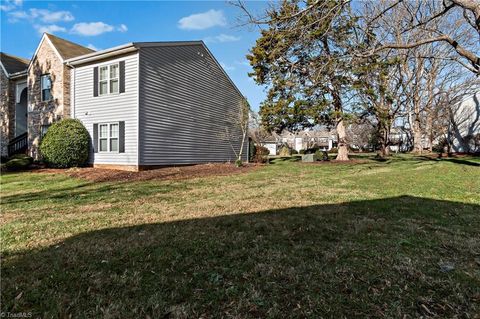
{"x":166,"y":173}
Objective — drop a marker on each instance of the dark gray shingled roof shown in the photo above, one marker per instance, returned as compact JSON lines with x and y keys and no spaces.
{"x":68,"y":49}
{"x":13,"y":64}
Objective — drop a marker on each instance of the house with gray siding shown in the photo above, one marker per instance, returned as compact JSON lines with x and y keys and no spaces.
{"x":148,"y":104}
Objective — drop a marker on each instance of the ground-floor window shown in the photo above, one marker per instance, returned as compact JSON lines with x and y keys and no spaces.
{"x":108,"y":137}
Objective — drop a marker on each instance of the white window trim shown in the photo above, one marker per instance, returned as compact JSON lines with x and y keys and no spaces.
{"x":108,"y":138}
{"x":41,"y":87}
{"x":108,"y":79}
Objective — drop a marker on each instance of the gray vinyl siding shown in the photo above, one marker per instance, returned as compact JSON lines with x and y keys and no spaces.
{"x":186,"y":102}
{"x":109,"y":108}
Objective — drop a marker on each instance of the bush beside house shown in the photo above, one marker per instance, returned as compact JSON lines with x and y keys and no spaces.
{"x":65,"y":144}
{"x":17,"y":162}
{"x":261,"y":154}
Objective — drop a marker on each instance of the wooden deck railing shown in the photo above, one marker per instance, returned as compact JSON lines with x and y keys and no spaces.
{"x":18,"y":145}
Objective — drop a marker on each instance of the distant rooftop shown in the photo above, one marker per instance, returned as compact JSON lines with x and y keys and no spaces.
{"x":13,"y":64}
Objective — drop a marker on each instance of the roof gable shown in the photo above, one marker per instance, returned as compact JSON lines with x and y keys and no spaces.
{"x":67,"y":49}
{"x":13,"y":64}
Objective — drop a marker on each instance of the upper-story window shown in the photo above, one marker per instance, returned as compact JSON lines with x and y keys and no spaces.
{"x":46,"y":87}
{"x":43,"y":130}
{"x":108,"y":79}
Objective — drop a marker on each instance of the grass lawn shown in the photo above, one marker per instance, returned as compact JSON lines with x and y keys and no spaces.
{"x":399,"y":238}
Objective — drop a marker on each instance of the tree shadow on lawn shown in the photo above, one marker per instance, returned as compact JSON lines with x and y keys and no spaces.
{"x":418,"y":159}
{"x":460,"y":161}
{"x":376,"y":258}
{"x":90,"y":192}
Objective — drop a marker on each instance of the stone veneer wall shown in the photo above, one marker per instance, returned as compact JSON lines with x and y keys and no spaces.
{"x":66,"y":91}
{"x":7,"y":112}
{"x":44,"y":113}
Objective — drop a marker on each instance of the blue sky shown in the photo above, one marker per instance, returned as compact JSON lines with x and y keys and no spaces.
{"x":103,"y":24}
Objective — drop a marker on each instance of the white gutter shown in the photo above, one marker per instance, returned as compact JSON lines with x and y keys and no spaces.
{"x":72,"y":92}
{"x":17,"y":75}
{"x":126,"y":48}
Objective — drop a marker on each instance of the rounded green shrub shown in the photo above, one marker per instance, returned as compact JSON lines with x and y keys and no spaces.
{"x":65,"y":144}
{"x":321,"y":155}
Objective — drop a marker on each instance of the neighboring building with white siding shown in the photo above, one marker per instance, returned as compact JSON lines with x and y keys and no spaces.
{"x":464,"y":130}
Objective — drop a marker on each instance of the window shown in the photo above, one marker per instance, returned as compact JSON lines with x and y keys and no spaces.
{"x":103,"y":138}
{"x":108,"y":137}
{"x":108,"y":79}
{"x":43,"y":130}
{"x":46,"y":87}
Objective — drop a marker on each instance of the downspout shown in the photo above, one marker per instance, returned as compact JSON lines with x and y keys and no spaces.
{"x":72,"y":89}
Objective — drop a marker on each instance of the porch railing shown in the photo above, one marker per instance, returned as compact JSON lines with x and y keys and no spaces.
{"x":18,"y":145}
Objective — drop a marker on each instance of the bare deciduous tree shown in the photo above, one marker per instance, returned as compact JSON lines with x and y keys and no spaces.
{"x":237,"y":123}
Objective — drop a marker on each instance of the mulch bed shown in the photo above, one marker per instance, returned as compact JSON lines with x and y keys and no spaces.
{"x":166,"y":173}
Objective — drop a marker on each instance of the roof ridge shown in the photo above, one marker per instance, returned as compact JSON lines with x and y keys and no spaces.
{"x":16,"y":57}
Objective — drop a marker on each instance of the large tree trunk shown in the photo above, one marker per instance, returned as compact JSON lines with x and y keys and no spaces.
{"x":417,"y":130}
{"x":384,"y":134}
{"x":342,"y":146}
{"x":417,"y":135}
{"x":416,"y":126}
{"x":429,"y":130}
{"x":342,"y":154}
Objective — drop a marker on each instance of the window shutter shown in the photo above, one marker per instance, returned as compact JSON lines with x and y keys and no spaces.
{"x":121,"y":65}
{"x":95,"y":138}
{"x":95,"y":81}
{"x":121,"y":137}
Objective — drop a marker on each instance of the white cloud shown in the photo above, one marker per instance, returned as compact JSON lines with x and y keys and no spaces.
{"x":14,"y":16}
{"x":227,"y":67}
{"x":48,"y":16}
{"x":204,"y":20}
{"x":42,"y":15}
{"x":6,"y":7}
{"x":221,"y":38}
{"x":9,"y":5}
{"x":91,"y":46}
{"x":122,"y":28}
{"x":91,"y":28}
{"x":52,"y":28}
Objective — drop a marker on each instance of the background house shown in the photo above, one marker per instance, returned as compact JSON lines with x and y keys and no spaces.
{"x":320,"y":138}
{"x":464,"y":128}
